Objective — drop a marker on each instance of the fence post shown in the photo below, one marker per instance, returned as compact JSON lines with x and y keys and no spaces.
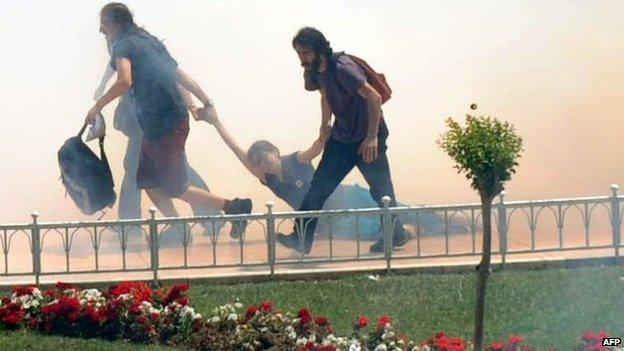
{"x":386,"y":221}
{"x":502,"y":227}
{"x":153,"y":237}
{"x":271,"y":236}
{"x":615,"y":220}
{"x":36,"y":246}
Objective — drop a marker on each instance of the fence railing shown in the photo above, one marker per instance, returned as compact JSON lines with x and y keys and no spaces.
{"x":200,"y":242}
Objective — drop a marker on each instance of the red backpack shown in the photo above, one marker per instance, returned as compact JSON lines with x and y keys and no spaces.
{"x":376,"y":80}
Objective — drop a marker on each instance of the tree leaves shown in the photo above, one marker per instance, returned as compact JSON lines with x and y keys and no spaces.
{"x":486,"y":150}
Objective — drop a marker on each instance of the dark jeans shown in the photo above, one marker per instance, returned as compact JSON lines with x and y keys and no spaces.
{"x":337,"y":161}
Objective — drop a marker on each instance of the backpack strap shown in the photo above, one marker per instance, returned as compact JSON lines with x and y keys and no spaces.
{"x":101,"y":142}
{"x":102,"y":153}
{"x":333,"y":62}
{"x":84,"y":126}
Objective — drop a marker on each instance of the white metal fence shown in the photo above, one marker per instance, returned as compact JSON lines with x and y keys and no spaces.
{"x":258,"y":247}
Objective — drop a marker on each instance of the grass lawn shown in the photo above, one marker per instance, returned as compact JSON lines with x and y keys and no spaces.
{"x":547,"y":307}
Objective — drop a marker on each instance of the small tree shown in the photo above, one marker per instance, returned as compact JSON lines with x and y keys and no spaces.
{"x":486,"y":150}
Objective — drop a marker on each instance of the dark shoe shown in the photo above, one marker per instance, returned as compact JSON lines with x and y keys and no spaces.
{"x":291,"y":241}
{"x":238,"y":206}
{"x":397,"y":241}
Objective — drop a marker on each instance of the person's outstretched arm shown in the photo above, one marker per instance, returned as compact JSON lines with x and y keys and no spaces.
{"x":188,"y":101}
{"x":326,"y":113}
{"x":235,"y":147}
{"x":191,"y":85}
{"x":306,"y":156}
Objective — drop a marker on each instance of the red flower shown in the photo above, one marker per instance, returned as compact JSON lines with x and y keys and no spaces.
{"x":457,"y":344}
{"x":443,"y":342}
{"x":66,"y":286}
{"x":383,"y":320}
{"x":321,"y":321}
{"x":24,"y":290}
{"x":515,"y":339}
{"x":588,"y":336}
{"x":12,"y":314}
{"x":267,"y":306}
{"x":140,"y":291}
{"x":32,"y":323}
{"x":497,"y":346}
{"x":13,"y":319}
{"x":183,"y":301}
{"x":93,"y":314}
{"x":135,"y":308}
{"x":362,"y":321}
{"x":305,"y":316}
{"x":175,"y":293}
{"x":251,"y":311}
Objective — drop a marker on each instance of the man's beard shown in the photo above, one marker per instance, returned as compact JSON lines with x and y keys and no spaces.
{"x":314,"y":66}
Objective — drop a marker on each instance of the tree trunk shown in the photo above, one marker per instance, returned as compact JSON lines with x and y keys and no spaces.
{"x":482,"y":272}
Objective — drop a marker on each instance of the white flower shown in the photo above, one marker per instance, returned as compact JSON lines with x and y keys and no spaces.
{"x":302,"y":341}
{"x":381,"y":347}
{"x":125,"y":297}
{"x":37,"y":293}
{"x":232,"y":317}
{"x":355,"y":346}
{"x":238,"y":305}
{"x":292,"y":335}
{"x":215,"y":319}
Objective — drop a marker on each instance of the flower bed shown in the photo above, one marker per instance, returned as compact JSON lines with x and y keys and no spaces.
{"x":133,"y":311}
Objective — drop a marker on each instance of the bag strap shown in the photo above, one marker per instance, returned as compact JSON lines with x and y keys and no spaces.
{"x":84,"y":126}
{"x":333,"y":62}
{"x":101,"y":141}
{"x":102,"y":153}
